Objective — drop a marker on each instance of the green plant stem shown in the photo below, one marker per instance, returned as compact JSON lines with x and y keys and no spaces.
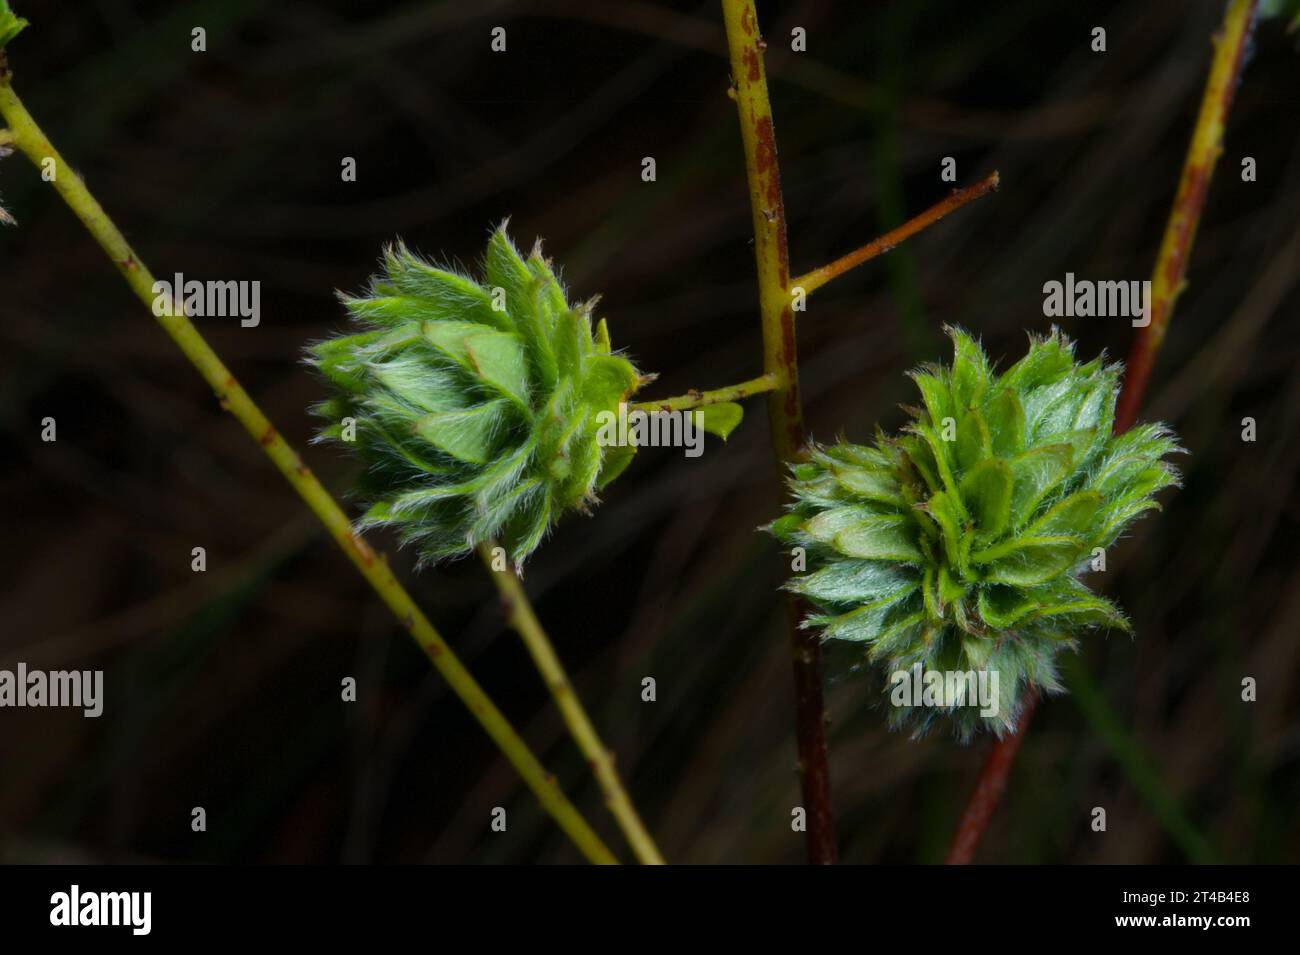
{"x":698,"y":399}
{"x":785,"y":411}
{"x":29,"y":138}
{"x":1167,"y":281}
{"x":521,"y":616}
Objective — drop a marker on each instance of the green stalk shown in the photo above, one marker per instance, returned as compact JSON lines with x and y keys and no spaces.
{"x":699,"y":399}
{"x":27,"y":136}
{"x":520,"y":614}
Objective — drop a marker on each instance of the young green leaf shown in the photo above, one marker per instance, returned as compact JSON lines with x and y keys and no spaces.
{"x":987,"y":490}
{"x":722,"y":418}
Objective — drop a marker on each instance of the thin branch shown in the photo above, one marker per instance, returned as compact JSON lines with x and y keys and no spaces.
{"x":1171,"y":265}
{"x":988,"y":789}
{"x":698,"y":399}
{"x":230,"y":393}
{"x":1206,"y":146}
{"x":887,"y":242}
{"x":785,"y":412}
{"x":519,"y":612}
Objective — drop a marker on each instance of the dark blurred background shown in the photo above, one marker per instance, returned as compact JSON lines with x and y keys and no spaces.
{"x":222,"y":688}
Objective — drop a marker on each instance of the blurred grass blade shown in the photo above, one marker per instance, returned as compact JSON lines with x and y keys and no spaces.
{"x":1137,"y":765}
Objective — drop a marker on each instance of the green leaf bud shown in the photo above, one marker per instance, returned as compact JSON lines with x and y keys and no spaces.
{"x":958,"y":545}
{"x":476,"y":403}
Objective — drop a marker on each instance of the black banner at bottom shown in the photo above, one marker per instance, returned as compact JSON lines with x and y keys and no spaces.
{"x":305,"y":905}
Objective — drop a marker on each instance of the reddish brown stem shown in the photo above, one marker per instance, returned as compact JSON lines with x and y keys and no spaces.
{"x":1193,"y":185}
{"x":1166,"y":283}
{"x":785,"y":412}
{"x":988,"y":790}
{"x":958,"y":198}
